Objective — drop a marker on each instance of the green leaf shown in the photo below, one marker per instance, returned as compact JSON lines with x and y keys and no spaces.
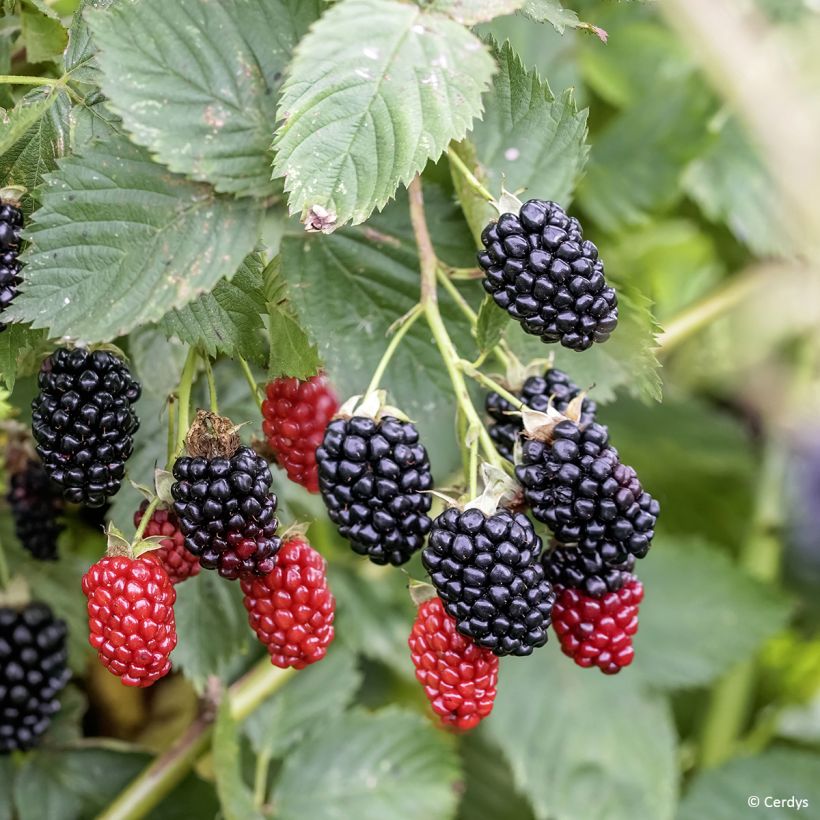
{"x":156,"y":362}
{"x":291,"y":352}
{"x":491,"y":324}
{"x":235,"y":797}
{"x":722,"y":794}
{"x":317,"y":695}
{"x":67,"y":725}
{"x":81,"y":54}
{"x":19,"y":348}
{"x":582,"y":744}
{"x":119,"y":241}
{"x":212,"y":626}
{"x":527,"y":138}
{"x":44,"y":36}
{"x":552,"y":12}
{"x":226,"y":320}
{"x":626,"y":361}
{"x":219,"y":66}
{"x":349,"y":288}
{"x":33,"y":136}
{"x":470,"y":12}
{"x":376,"y":89}
{"x":694,"y":590}
{"x":6,"y":784}
{"x":395,"y":765}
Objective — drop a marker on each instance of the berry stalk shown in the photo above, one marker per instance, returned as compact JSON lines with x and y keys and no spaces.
{"x":469,"y":177}
{"x":246,"y":372}
{"x":405,"y":323}
{"x":184,"y":392}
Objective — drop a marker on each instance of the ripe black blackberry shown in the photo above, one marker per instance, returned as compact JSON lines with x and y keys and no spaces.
{"x":373,"y":476}
{"x":32,"y":673}
{"x":35,"y":508}
{"x":576,"y":484}
{"x":585,"y":570}
{"x":536,"y":393}
{"x":84,"y":422}
{"x":11,"y":223}
{"x":487,"y":572}
{"x":223,"y":501}
{"x":539,"y":268}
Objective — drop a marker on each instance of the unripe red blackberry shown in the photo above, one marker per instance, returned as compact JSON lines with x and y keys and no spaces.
{"x":291,"y":609}
{"x":177,"y":561}
{"x":11,"y":224}
{"x":223,"y":502}
{"x":35,"y":509}
{"x":83,"y":422}
{"x":131,"y":617}
{"x":576,"y":484}
{"x":295,"y":415}
{"x":374,"y":477}
{"x":458,"y":676}
{"x":538,"y":267}
{"x":536,"y":393}
{"x":33,"y":671}
{"x":487,"y":571}
{"x":598,"y":631}
{"x":585,"y":570}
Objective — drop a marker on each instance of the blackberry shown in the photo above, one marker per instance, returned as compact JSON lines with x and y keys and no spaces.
{"x":576,"y":485}
{"x":83,"y":422}
{"x":585,"y":570}
{"x":373,"y":476}
{"x":33,"y":671}
{"x":487,"y":572}
{"x":536,"y":393}
{"x":538,"y":267}
{"x":226,"y":510}
{"x":34,"y":508}
{"x":11,"y":223}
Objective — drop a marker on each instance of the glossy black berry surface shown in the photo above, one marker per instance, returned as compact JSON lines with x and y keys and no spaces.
{"x":11,"y":223}
{"x":35,"y":509}
{"x":488,"y":574}
{"x":585,"y":570}
{"x":33,"y":671}
{"x":577,"y":486}
{"x":536,"y":393}
{"x":374,"y":477}
{"x":83,"y":421}
{"x":538,"y":267}
{"x":227,"y":512}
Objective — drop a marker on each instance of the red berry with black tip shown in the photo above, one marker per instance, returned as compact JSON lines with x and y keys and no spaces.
{"x":458,"y":676}
{"x":291,"y":609}
{"x":295,"y":414}
{"x":11,"y":224}
{"x":585,"y":570}
{"x":598,"y":631}
{"x":131,"y":617}
{"x":177,"y":561}
{"x":35,"y":508}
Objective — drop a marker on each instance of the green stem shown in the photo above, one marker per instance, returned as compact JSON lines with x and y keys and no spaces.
{"x":184,"y":393}
{"x":20,"y":79}
{"x":472,"y":435}
{"x":246,"y":370}
{"x":146,"y":791}
{"x":490,"y":384}
{"x":171,"y":444}
{"x":260,"y":784}
{"x":209,"y":375}
{"x":146,"y":517}
{"x":408,"y":322}
{"x":469,"y":177}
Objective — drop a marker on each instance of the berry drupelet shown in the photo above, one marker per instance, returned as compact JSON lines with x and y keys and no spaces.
{"x":538,"y":267}
{"x":295,"y":414}
{"x":536,"y":393}
{"x":459,"y":677}
{"x":374,"y":477}
{"x":35,"y":509}
{"x":576,"y":484}
{"x":177,"y":561}
{"x":84,"y":422}
{"x":33,"y":671}
{"x":585,"y":570}
{"x":291,"y":610}
{"x":11,"y":223}
{"x":486,"y":570}
{"x":223,"y":501}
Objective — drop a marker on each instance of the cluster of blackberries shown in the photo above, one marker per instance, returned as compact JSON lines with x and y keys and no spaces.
{"x":374,"y":477}
{"x":84,"y":422}
{"x":487,"y":572}
{"x":227,"y":512}
{"x":11,"y":223}
{"x":35,"y":509}
{"x":538,"y":267}
{"x":33,"y":671}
